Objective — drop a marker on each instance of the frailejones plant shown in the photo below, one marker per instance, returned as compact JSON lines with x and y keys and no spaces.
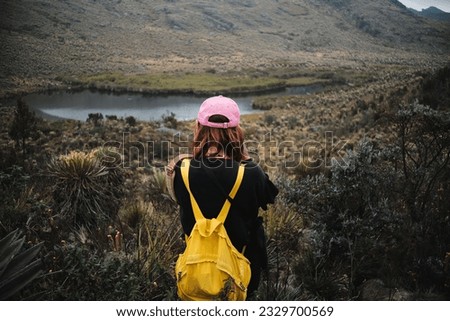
{"x":17,"y":269}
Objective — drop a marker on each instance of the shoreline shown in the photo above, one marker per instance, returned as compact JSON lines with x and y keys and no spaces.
{"x":49,"y":86}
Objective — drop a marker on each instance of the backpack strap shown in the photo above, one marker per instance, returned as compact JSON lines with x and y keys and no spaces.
{"x":226,"y":206}
{"x":185,"y":164}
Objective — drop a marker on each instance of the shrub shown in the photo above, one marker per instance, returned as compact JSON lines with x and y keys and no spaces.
{"x":87,"y":274}
{"x":131,"y":121}
{"x":95,"y":118}
{"x":381,"y":214}
{"x":435,"y":91}
{"x":423,"y":167}
{"x":282,"y":227}
{"x":170,"y":120}
{"x":13,"y":181}
{"x":269,"y":119}
{"x":24,"y":125}
{"x":349,"y":225}
{"x":292,"y":122}
{"x":17,"y":269}
{"x":157,"y":237}
{"x":111,"y":117}
{"x":135,"y":264}
{"x":86,"y":192}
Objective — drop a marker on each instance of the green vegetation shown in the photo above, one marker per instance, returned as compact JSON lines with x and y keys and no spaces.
{"x":306,"y":81}
{"x":329,"y":79}
{"x":23,"y":126}
{"x":183,"y":83}
{"x":211,"y":82}
{"x":372,"y":212}
{"x":86,"y":190}
{"x":17,"y":269}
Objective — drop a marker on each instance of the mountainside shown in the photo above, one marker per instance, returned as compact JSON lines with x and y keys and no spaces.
{"x":434,"y":13}
{"x":42,"y":38}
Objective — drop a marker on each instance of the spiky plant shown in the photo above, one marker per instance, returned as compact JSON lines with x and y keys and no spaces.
{"x":158,"y":181}
{"x":283,"y":225}
{"x":17,"y":269}
{"x":86,"y":191}
{"x":157,"y":234}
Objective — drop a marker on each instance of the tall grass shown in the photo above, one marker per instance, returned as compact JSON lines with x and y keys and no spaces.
{"x":192,"y":83}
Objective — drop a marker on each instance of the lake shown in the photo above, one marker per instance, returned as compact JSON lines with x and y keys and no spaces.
{"x":78,"y":105}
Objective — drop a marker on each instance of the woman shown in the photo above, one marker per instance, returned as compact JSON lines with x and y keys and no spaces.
{"x":218,"y":150}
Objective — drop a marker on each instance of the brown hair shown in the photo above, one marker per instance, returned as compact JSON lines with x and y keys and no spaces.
{"x":230,"y":141}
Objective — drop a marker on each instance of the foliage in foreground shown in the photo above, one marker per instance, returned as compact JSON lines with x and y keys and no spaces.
{"x":17,"y":268}
{"x":381,"y":214}
{"x":378,"y":214}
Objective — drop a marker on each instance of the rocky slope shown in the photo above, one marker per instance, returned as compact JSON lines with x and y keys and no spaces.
{"x":44,"y":38}
{"x":433,"y":13}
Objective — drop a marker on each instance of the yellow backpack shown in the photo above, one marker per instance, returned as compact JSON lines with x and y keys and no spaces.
{"x":211,"y":268}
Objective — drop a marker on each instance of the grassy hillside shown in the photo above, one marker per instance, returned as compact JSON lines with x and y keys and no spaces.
{"x":45,"y":39}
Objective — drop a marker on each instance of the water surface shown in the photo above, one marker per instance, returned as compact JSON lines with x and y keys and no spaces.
{"x":78,"y":105}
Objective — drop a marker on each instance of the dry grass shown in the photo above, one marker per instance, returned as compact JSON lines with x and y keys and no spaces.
{"x":184,"y":82}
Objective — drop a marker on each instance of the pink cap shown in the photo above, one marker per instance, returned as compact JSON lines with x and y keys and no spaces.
{"x":219,"y":105}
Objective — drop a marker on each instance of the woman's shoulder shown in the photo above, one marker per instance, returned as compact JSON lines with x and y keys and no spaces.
{"x":267,"y":190}
{"x":253,"y":168}
{"x":251,"y":164}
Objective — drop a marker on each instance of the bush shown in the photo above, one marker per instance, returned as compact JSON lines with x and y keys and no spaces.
{"x":170,"y":120}
{"x":84,"y":273}
{"x":13,"y":182}
{"x":131,"y":121}
{"x":136,"y":263}
{"x":86,"y":192}
{"x":350,"y":225}
{"x":24,"y":125}
{"x":382,"y":213}
{"x":282,"y":227}
{"x":95,"y":118}
{"x":423,"y":163}
{"x":17,"y":268}
{"x":435,"y":91}
{"x":269,"y":119}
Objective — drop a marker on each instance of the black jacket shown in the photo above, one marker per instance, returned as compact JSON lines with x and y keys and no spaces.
{"x":242,"y":224}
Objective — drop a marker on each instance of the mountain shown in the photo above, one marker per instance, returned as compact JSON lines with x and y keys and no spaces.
{"x":44,"y":38}
{"x":434,"y":13}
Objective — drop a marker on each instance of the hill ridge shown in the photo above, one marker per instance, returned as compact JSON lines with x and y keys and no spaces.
{"x":47,"y":38}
